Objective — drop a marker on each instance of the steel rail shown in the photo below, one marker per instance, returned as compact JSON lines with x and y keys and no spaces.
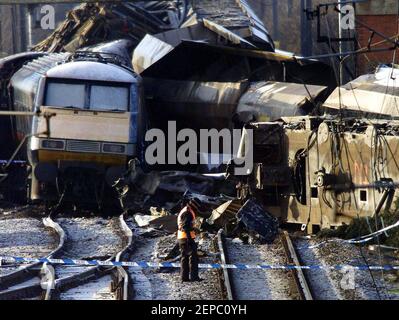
{"x":300,"y":279}
{"x":228,"y":284}
{"x":26,"y":273}
{"x":121,"y":280}
{"x":121,"y":283}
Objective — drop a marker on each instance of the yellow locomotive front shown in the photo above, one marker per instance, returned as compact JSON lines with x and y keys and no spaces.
{"x":84,"y":146}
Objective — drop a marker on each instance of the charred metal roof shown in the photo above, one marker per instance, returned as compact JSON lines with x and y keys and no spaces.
{"x":154,"y":47}
{"x":91,"y":23}
{"x":234,"y":15}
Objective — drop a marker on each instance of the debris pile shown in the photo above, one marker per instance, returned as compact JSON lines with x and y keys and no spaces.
{"x":159,"y":209}
{"x":155,"y":199}
{"x":258,"y":222}
{"x":92,"y":23}
{"x":225,"y":216}
{"x":164,"y":190}
{"x":245,"y":220}
{"x":196,"y":58}
{"x":365,"y":225}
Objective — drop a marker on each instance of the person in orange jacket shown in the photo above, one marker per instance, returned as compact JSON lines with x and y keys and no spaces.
{"x":186,"y":239}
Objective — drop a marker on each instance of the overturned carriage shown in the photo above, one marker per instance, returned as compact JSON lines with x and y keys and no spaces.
{"x":323,"y":172}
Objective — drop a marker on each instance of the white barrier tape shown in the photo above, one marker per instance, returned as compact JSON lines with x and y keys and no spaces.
{"x":145,"y":265}
{"x":3,"y":162}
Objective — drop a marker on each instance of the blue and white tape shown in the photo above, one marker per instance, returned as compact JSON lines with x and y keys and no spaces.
{"x":3,"y":162}
{"x":147,"y":265}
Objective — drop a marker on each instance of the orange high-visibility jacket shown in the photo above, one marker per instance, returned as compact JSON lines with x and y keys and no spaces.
{"x":181,"y":234}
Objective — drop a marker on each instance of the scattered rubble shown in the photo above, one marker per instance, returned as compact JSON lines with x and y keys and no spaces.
{"x":12,"y":211}
{"x":366,"y":225}
{"x":141,"y":192}
{"x":225,"y":216}
{"x":258,"y":222}
{"x":249,"y":218}
{"x":91,"y":23}
{"x":166,"y":223}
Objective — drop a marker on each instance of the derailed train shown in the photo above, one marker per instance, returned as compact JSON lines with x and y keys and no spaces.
{"x":89,"y":120}
{"x":323,"y":171}
{"x":80,"y":134}
{"x":88,"y":107}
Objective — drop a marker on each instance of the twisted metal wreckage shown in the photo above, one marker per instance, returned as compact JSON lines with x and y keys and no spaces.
{"x":197,"y":58}
{"x":209,"y":64}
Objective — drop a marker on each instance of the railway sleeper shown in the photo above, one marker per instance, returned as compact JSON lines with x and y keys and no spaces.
{"x":27,"y":292}
{"x":21,"y":275}
{"x":74,"y":281}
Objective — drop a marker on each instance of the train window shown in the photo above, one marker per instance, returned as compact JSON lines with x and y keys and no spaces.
{"x":65,"y":95}
{"x":314,"y":192}
{"x":363,"y":195}
{"x":109,"y":98}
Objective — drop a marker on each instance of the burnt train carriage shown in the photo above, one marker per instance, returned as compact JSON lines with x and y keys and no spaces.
{"x":95,"y":107}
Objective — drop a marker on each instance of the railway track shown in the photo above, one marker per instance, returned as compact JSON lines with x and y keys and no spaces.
{"x":301,"y":282}
{"x":261,"y":284}
{"x":64,"y":282}
{"x":23,"y":283}
{"x":165,"y":283}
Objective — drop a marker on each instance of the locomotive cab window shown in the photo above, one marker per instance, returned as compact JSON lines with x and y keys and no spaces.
{"x":65,"y":95}
{"x":109,"y":98}
{"x":90,"y":96}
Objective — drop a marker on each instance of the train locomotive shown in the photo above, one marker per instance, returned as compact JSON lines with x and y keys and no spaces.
{"x":86,"y":125}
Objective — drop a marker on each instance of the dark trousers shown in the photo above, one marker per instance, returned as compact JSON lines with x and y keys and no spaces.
{"x":188,"y":260}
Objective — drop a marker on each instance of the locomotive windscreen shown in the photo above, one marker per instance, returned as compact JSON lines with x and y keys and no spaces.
{"x":65,"y":95}
{"x":109,"y":97}
{"x":87,"y":96}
